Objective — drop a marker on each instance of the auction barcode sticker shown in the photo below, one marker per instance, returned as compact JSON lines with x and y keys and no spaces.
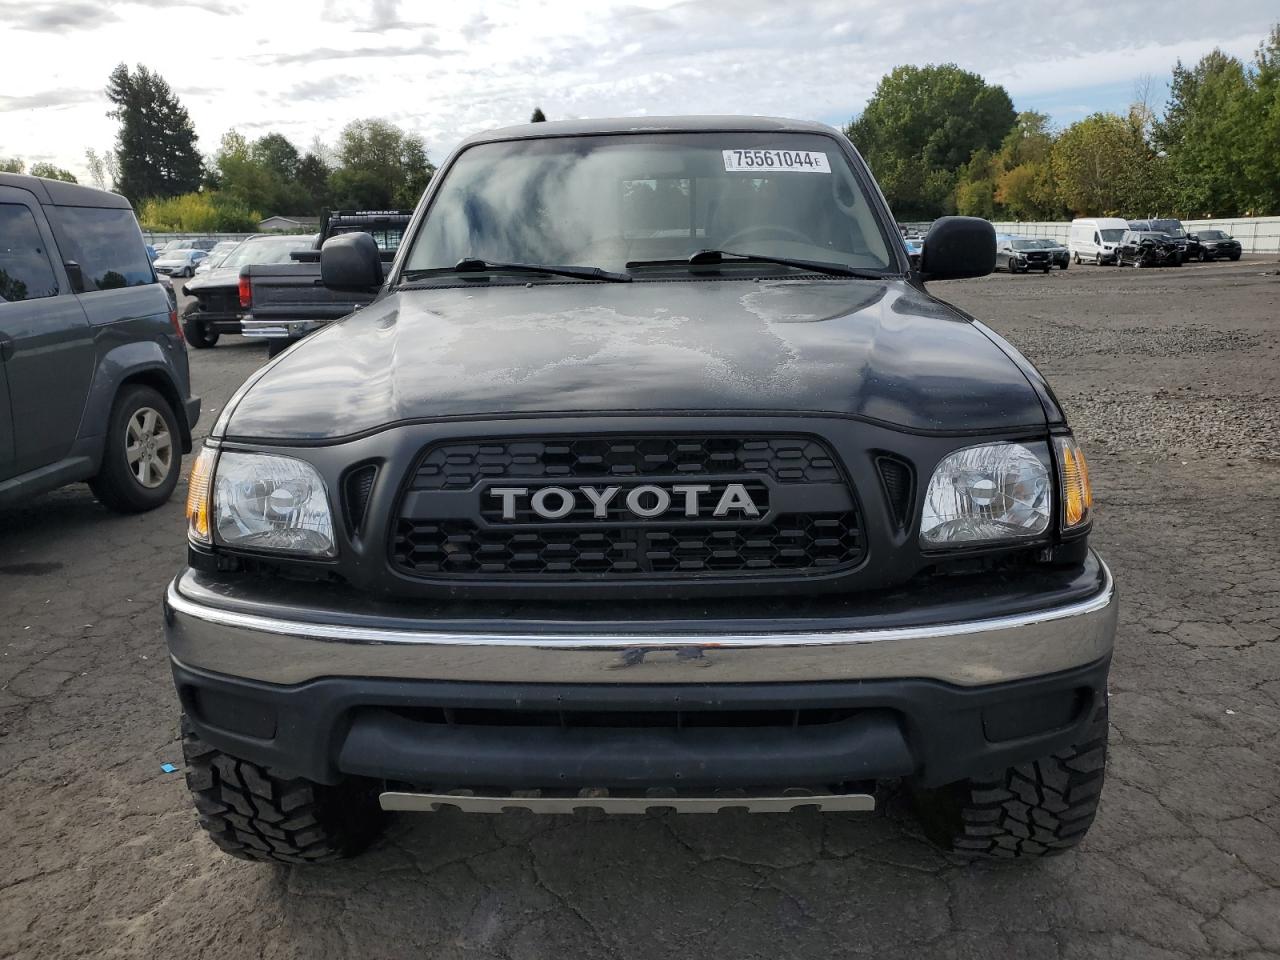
{"x":800,"y":161}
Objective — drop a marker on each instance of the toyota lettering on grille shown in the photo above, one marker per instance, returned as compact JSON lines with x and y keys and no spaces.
{"x":646,"y":502}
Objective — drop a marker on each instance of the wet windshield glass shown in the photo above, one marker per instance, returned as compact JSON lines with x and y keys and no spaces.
{"x":605,"y":201}
{"x":266,"y":251}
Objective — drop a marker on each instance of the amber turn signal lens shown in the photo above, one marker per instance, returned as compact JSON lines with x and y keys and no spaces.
{"x":198,"y":486}
{"x":1073,"y":474}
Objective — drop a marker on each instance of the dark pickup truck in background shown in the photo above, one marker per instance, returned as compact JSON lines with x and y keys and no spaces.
{"x":216,"y":296}
{"x":286,"y":301}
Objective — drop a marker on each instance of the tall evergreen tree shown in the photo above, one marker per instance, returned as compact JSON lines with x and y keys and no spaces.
{"x":538,"y":116}
{"x":156,"y":148}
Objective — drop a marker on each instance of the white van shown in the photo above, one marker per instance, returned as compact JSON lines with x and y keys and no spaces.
{"x":1096,"y":239}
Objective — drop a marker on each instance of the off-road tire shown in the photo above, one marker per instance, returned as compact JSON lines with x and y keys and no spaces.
{"x":115,"y":486}
{"x":254,"y":814}
{"x":1030,"y":810}
{"x":197,"y":331}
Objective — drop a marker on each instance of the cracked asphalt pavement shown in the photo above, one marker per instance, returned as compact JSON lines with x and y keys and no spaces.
{"x":1172,"y":379}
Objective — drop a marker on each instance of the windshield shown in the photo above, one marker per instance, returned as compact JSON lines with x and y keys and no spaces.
{"x":275,"y":250}
{"x":178,"y":254}
{"x":605,"y":201}
{"x":1112,"y":236}
{"x":1171,"y":227}
{"x":1026,"y":244}
{"x":1211,"y":235}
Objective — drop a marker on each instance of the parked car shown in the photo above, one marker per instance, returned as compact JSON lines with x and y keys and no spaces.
{"x":1147,"y":248}
{"x":644,"y":504}
{"x":179,"y":263}
{"x":1021,"y":255}
{"x":219,"y":253}
{"x":94,"y":384}
{"x":1096,"y":239}
{"x":1174,"y":230}
{"x":1059,"y":255}
{"x":1215,"y":245}
{"x":215,"y":308}
{"x":287,"y":300}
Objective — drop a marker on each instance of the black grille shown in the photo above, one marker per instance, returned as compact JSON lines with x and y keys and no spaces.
{"x":785,"y":459}
{"x":796,"y":542}
{"x":448,"y":527}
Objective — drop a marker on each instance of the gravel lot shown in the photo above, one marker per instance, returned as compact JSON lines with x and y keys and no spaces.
{"x":1173,"y":380}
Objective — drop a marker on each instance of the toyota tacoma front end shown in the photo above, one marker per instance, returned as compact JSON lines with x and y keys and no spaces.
{"x":652,"y":477}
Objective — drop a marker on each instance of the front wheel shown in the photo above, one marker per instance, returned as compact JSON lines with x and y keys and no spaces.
{"x":253,"y":813}
{"x":142,"y":454}
{"x":1203,"y":256}
{"x":1077,"y":256}
{"x":1029,"y":810}
{"x":1235,"y":257}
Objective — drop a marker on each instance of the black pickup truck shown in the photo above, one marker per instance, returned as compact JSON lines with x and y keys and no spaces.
{"x":286,"y":301}
{"x":652,"y":476}
{"x":216,"y":297}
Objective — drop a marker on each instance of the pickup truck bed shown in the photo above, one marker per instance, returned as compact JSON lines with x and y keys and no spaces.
{"x":288,"y":300}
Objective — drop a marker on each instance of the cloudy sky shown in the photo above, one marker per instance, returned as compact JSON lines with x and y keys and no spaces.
{"x":306,"y":67}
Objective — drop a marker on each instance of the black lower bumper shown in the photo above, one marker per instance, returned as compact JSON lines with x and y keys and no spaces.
{"x":452,"y":734}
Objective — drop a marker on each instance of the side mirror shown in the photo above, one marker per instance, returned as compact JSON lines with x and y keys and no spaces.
{"x":349,"y":263}
{"x":958,"y":247}
{"x":75,"y":275}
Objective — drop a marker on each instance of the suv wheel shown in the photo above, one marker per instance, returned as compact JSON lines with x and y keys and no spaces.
{"x":142,"y":456}
{"x":254,"y":814}
{"x":1030,"y":810}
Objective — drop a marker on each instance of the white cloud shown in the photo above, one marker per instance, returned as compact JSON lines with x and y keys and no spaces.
{"x":446,"y":71}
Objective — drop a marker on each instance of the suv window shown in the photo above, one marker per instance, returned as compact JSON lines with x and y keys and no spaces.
{"x":25,"y":270}
{"x":107,"y":244}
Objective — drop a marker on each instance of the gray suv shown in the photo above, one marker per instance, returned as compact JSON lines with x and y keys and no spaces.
{"x":94,"y":383}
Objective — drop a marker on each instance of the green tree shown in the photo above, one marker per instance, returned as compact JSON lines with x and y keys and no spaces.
{"x":278,"y":155}
{"x":1259,"y":159}
{"x":538,"y":116}
{"x":921,"y":126}
{"x":1201,"y":134}
{"x":12,"y":165}
{"x":313,"y":178}
{"x":156,"y":146}
{"x":1102,"y":165}
{"x":379,"y":166}
{"x":51,"y":172}
{"x":207,"y":212}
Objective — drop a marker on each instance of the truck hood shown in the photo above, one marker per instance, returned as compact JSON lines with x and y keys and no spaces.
{"x":220,"y":277}
{"x":878,"y":350}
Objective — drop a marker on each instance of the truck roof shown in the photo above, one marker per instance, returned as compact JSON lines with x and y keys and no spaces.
{"x":615,"y":125}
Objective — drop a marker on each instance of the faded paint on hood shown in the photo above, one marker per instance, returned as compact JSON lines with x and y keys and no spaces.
{"x":879,"y":350}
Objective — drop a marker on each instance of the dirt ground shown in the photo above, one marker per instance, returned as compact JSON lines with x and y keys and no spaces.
{"x":1173,"y":380}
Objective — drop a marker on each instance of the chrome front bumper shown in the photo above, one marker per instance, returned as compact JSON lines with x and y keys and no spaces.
{"x":274,"y":650}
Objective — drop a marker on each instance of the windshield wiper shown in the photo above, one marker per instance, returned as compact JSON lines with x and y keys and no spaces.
{"x":476,"y":265}
{"x":713,"y":257}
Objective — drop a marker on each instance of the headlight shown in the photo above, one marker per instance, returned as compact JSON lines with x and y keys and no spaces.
{"x":997,"y":491}
{"x":266,"y":502}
